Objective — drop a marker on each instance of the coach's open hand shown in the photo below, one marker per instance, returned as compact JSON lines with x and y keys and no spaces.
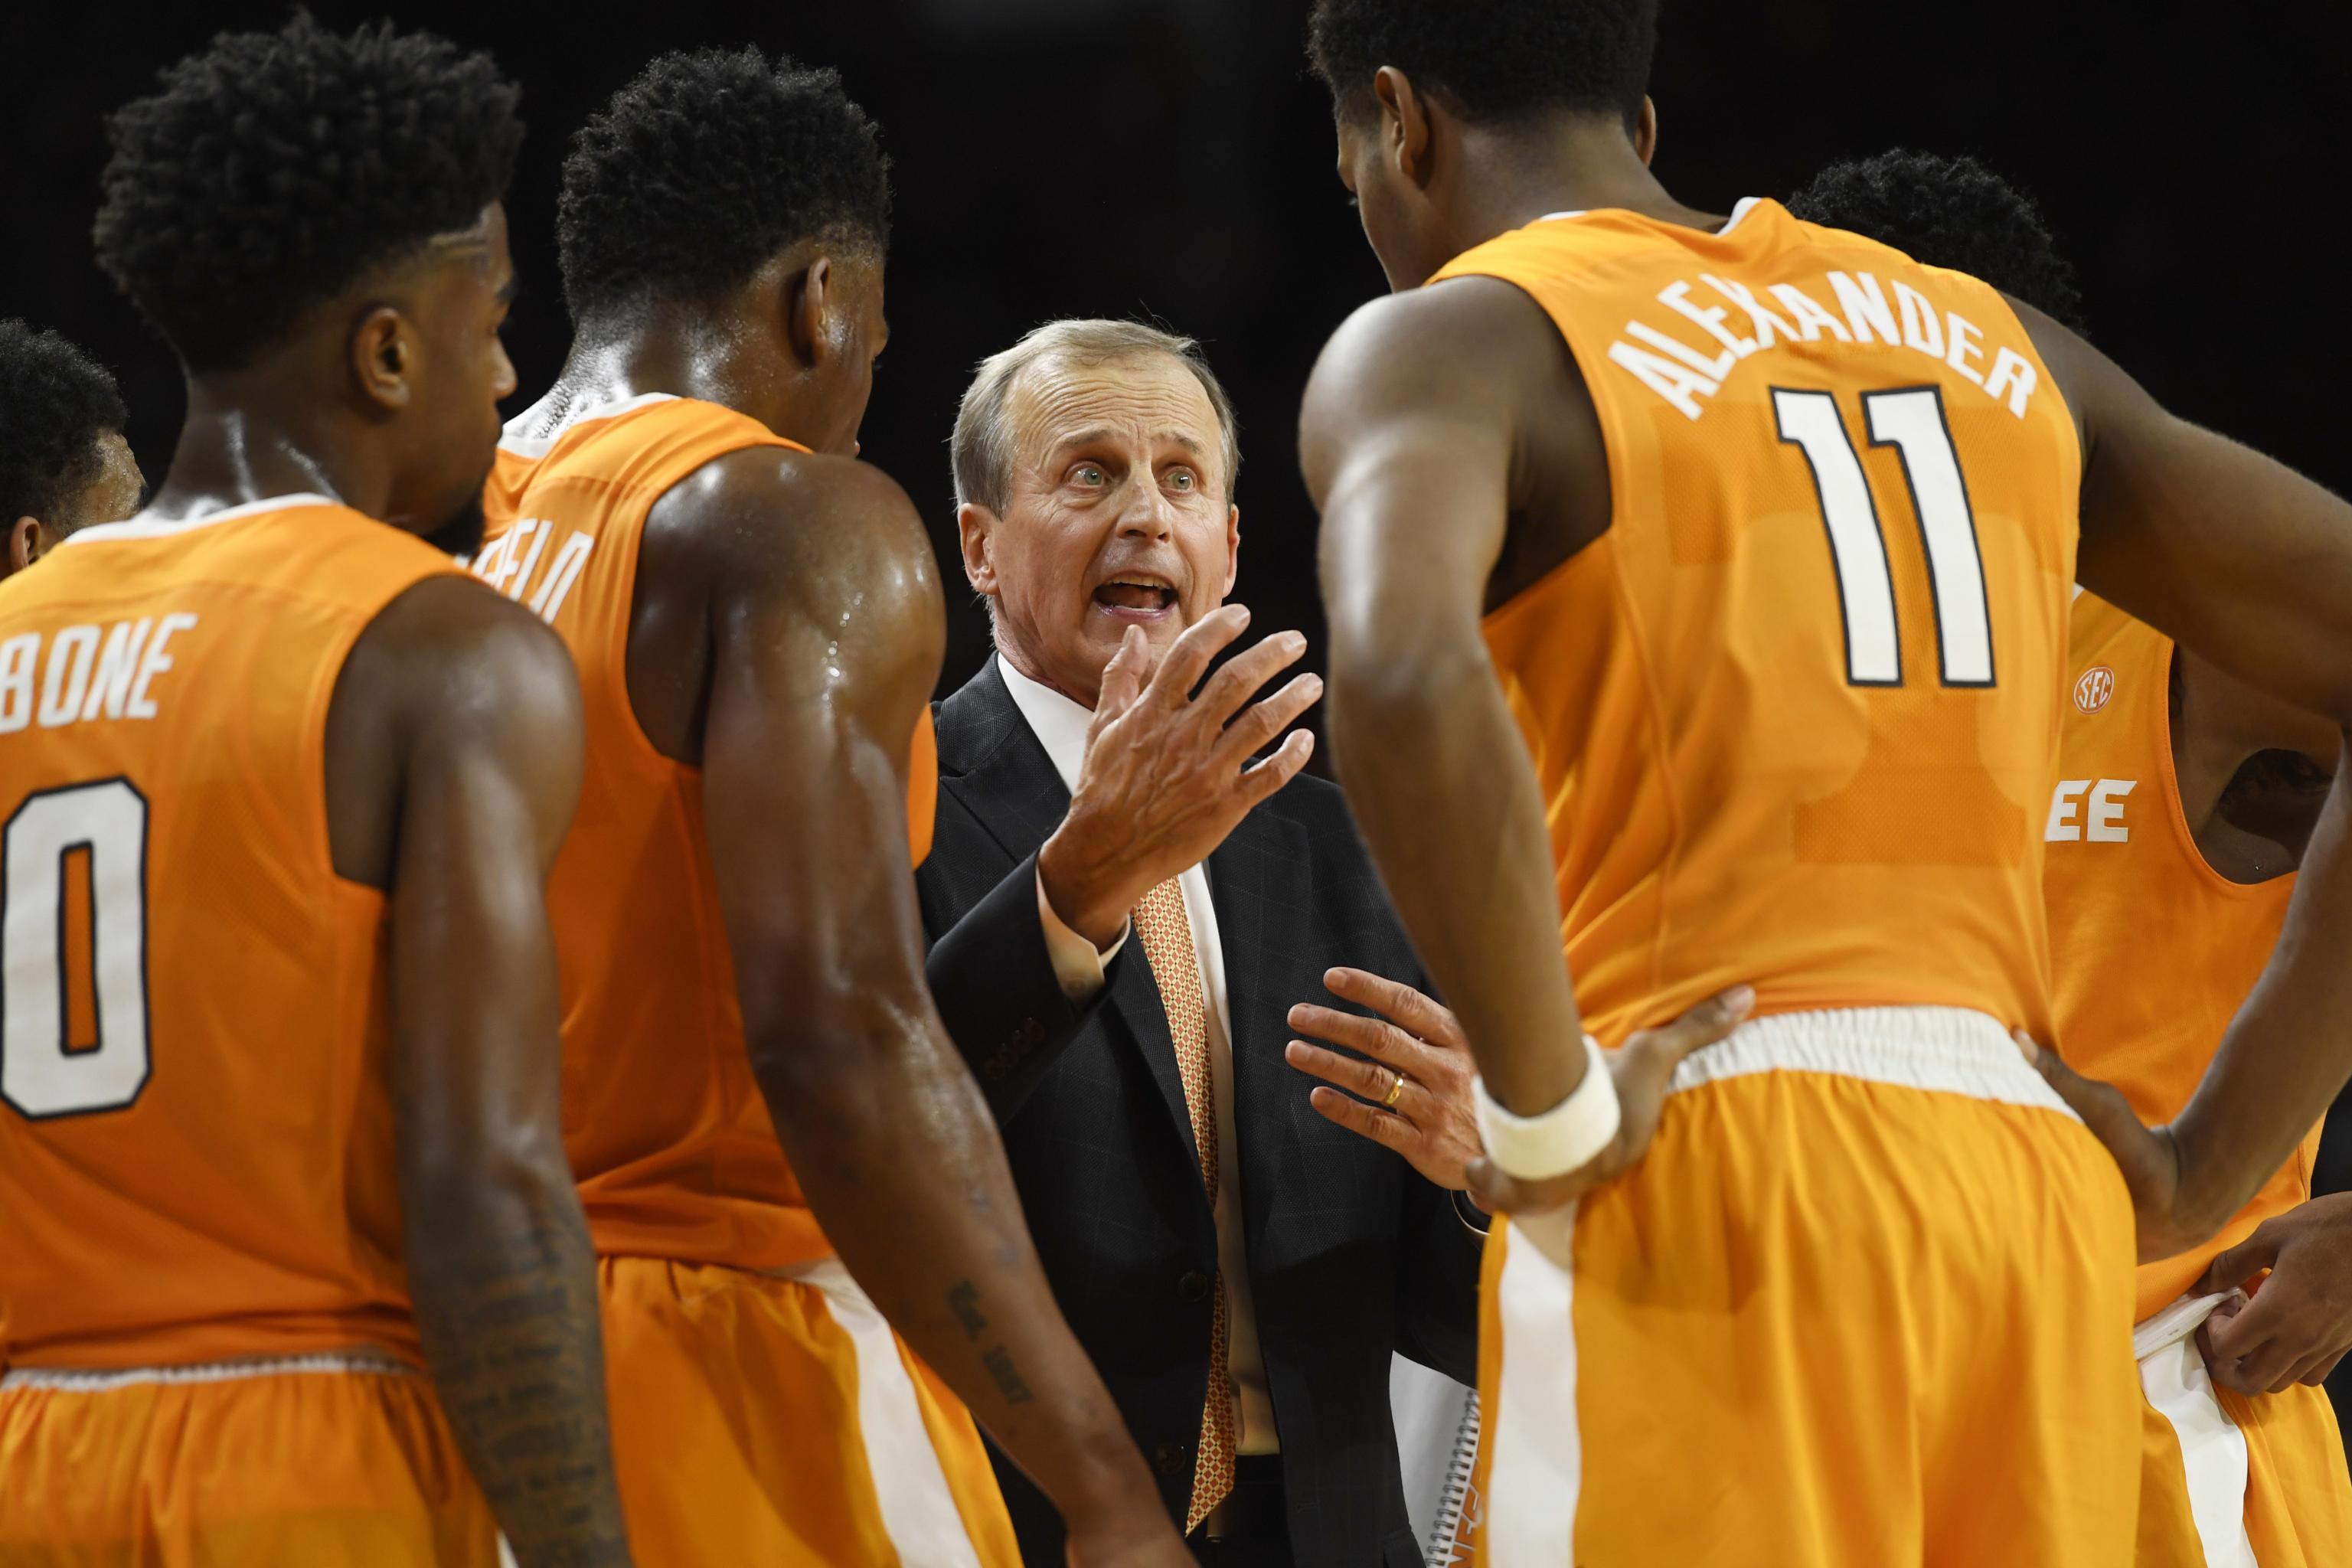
{"x":1433,"y":1122}
{"x":1642,"y":1067}
{"x":1164,"y":779}
{"x":2299,"y":1324}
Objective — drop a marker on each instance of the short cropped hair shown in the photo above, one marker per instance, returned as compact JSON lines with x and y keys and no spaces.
{"x":275,"y":170}
{"x":1948,"y":212}
{"x":704,"y":167}
{"x":983,"y":445}
{"x":55,"y":405}
{"x":1492,"y":61}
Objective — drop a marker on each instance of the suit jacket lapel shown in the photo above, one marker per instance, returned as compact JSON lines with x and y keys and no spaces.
{"x":1248,"y":877}
{"x":992,"y":762}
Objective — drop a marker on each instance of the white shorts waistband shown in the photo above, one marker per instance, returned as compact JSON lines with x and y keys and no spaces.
{"x":75,"y":1381}
{"x":1950,"y":1051}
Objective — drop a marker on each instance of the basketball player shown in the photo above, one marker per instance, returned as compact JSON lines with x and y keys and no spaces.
{"x":766,"y":1120}
{"x":278,"y":1051}
{"x":63,"y":461}
{"x":2187,"y":801}
{"x":1764,"y":536}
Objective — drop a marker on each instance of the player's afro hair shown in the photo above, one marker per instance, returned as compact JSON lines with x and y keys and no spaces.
{"x":704,"y":167}
{"x":1948,"y":212}
{"x":1493,"y":61}
{"x":274,"y":170}
{"x":55,"y":404}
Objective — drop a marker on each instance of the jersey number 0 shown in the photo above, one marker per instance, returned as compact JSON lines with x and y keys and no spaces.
{"x":1911,"y":420}
{"x":103,"y":827}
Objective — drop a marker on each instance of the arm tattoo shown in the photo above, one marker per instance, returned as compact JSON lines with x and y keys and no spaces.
{"x":965,"y":1300}
{"x":510,"y":1327}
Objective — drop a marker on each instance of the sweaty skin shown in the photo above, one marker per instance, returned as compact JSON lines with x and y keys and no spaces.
{"x":1461,"y":401}
{"x":453,"y":746}
{"x":786,"y":632}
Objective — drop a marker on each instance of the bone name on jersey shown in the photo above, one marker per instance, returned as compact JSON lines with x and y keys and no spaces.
{"x":1682,"y":374}
{"x":86,"y":672}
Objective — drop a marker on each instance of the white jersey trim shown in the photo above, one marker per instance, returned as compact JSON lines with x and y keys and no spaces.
{"x":2213,"y":1457}
{"x":157,"y":528}
{"x":1535,"y":1476}
{"x":910,"y":1486}
{"x":69,"y":1381}
{"x":536,"y":447}
{"x":1744,"y":206}
{"x":1947,"y":1050}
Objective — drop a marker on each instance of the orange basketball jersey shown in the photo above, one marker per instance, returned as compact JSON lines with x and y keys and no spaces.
{"x":1793,"y":713}
{"x":666,"y":1130}
{"x":2152,"y":949}
{"x":195,"y":1125}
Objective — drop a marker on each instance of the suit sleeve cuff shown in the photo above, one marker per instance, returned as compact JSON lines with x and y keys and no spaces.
{"x":1077,"y":963}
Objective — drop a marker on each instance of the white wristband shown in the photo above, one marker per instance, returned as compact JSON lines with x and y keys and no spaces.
{"x":1556,"y":1141}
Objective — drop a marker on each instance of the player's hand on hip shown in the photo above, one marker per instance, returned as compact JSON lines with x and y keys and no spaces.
{"x":2299,"y":1324}
{"x":1411,"y":1090}
{"x":1642,"y":1067}
{"x":2149,"y":1160}
{"x":1168,"y":773}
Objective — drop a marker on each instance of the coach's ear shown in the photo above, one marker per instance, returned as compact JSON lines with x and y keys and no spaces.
{"x":1645,"y":130}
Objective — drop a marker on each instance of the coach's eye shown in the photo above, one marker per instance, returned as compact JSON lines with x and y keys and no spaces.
{"x":1089,"y":474}
{"x":1181,"y":478}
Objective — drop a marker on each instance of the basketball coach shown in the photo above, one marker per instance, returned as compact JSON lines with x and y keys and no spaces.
{"x":1133,"y":907}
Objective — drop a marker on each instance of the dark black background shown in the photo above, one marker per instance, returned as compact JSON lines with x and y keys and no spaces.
{"x":1084,"y":157}
{"x":1074,"y":157}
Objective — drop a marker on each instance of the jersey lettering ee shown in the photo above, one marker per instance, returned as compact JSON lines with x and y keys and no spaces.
{"x":1793,"y":713}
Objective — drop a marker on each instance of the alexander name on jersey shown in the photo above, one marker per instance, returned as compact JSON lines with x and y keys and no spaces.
{"x":86,"y":672}
{"x":1661,"y":358}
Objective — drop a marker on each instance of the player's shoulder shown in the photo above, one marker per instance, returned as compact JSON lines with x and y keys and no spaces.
{"x":1464,"y":321}
{"x":450,"y":642}
{"x":763,"y":521}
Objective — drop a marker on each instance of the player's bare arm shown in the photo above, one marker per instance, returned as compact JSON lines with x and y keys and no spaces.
{"x":2247,"y":564}
{"x":1433,"y":421}
{"x":824,"y":643}
{"x":453,"y":766}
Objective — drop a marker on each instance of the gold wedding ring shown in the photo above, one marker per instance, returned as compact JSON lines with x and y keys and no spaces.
{"x":1395,"y":1089}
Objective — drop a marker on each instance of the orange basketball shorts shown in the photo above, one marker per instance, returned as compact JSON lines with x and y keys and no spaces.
{"x":294,"y":1464}
{"x":1866,"y":1303}
{"x":778,"y":1420}
{"x":2227,"y":1481}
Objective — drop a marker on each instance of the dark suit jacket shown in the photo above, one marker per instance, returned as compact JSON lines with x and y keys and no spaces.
{"x":1352,"y":1255}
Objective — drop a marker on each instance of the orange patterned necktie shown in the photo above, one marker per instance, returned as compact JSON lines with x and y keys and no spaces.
{"x":1167,"y":935}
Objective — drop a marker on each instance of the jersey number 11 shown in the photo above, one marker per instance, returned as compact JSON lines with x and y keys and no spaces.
{"x":1911,"y":420}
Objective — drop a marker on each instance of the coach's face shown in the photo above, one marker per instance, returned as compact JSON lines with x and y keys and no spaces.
{"x":1118,"y":515}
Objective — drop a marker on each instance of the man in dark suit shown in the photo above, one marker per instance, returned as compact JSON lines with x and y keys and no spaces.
{"x":1240,"y":1261}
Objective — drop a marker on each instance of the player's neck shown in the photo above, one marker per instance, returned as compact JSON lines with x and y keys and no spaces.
{"x":1512,"y":177}
{"x":249,"y":436}
{"x":682,"y":353}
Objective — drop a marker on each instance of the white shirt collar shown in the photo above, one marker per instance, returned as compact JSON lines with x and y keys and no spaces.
{"x":1059,"y":725}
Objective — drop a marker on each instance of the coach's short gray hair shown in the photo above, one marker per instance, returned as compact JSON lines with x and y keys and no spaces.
{"x":983,"y":445}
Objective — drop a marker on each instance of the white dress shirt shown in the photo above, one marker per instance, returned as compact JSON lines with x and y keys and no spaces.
{"x":1060,"y":726}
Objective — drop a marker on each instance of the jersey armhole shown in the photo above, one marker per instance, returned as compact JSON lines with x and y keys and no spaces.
{"x":616,"y":652}
{"x":322,"y":707}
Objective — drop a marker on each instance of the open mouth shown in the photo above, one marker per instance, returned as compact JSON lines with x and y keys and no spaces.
{"x":1134,"y":598}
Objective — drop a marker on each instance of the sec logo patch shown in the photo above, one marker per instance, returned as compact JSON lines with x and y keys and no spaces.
{"x":2095,"y":689}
